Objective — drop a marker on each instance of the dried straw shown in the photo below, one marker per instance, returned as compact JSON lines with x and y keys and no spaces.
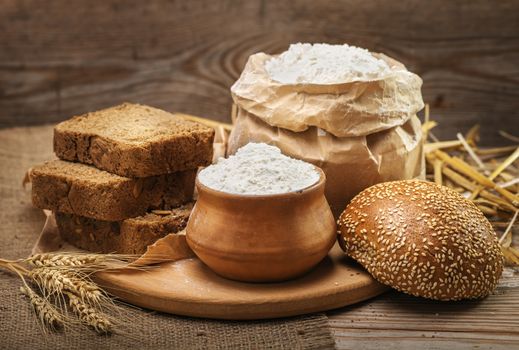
{"x":488,"y":177}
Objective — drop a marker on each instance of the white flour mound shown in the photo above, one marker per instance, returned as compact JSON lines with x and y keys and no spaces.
{"x":325,"y":64}
{"x":258,"y":169}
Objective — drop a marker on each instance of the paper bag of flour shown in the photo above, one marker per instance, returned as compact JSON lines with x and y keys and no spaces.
{"x":360,"y":132}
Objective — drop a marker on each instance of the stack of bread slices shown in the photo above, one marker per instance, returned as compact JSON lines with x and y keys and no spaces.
{"x":124,"y":178}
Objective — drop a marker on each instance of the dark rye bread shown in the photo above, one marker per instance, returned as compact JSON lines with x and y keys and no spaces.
{"x":133,"y":140}
{"x":130,"y":236}
{"x":83,"y":190}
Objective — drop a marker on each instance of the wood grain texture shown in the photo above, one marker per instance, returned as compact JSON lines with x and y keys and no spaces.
{"x":68,"y":57}
{"x":188,"y":287}
{"x":415,"y":323}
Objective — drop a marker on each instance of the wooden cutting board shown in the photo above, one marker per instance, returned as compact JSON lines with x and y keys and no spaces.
{"x":188,"y":287}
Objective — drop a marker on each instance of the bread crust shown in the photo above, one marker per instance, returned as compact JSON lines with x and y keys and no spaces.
{"x":83,"y":190}
{"x":422,"y":239}
{"x":130,"y":236}
{"x":133,"y":140}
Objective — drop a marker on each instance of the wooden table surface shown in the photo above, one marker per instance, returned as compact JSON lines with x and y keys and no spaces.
{"x":69,"y":57}
{"x":396,"y":320}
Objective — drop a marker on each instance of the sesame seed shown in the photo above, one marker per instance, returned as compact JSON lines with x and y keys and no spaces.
{"x":423,"y":239}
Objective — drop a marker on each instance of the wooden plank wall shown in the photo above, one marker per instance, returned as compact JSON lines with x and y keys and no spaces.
{"x":63,"y":57}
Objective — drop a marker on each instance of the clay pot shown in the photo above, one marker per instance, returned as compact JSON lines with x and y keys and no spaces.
{"x":261,"y":238}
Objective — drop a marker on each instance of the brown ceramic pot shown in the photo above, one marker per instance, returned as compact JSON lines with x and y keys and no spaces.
{"x":261,"y":238}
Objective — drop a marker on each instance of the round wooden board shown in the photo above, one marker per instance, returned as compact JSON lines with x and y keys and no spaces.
{"x":188,"y":287}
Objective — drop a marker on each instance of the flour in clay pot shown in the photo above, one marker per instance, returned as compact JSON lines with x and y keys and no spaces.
{"x":259,"y":169}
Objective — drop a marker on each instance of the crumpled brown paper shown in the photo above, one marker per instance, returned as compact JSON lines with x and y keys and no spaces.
{"x":221,"y":136}
{"x":360,"y":133}
{"x":348,"y":109}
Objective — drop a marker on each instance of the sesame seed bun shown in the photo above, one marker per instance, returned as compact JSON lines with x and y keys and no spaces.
{"x":422,"y":239}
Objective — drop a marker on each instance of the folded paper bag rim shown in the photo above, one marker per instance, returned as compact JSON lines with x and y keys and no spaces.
{"x":348,"y":109}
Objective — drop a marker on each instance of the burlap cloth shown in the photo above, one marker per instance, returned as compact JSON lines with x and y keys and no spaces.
{"x":19,"y":226}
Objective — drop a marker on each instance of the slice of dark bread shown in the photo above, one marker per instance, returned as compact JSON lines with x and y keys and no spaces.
{"x":130,"y":236}
{"x":133,"y":140}
{"x":83,"y":190}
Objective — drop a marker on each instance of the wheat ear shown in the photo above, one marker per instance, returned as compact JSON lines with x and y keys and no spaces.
{"x":89,"y":316}
{"x":66,"y":277}
{"x":47,"y":314}
{"x":63,"y":260}
{"x":57,"y":282}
